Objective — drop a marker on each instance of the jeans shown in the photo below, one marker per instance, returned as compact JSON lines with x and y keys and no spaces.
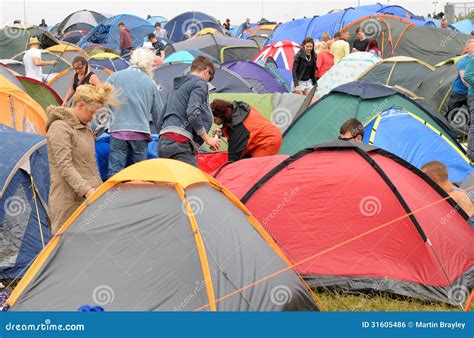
{"x":119,"y":153}
{"x":183,"y":152}
{"x":470,"y":135}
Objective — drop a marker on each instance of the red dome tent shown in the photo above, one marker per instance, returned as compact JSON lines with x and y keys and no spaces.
{"x":283,"y":52}
{"x":359,"y":218}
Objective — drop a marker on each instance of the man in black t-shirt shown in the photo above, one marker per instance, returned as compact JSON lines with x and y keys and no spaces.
{"x":360,"y":45}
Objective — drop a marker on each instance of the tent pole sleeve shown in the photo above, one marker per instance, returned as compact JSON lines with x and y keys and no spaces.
{"x":200,"y":247}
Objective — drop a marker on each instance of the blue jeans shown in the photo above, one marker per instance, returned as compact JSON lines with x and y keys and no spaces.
{"x":470,"y":135}
{"x":119,"y":152}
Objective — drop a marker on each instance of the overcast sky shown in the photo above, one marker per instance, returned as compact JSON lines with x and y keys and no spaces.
{"x":279,"y":10}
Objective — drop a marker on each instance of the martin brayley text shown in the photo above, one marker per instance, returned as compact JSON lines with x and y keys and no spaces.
{"x":441,"y":325}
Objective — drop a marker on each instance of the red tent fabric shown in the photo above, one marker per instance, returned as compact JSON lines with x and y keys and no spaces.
{"x":283,"y":52}
{"x":210,"y":162}
{"x":359,"y":218}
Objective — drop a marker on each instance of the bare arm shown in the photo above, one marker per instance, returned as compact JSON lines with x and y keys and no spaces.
{"x":463,"y":201}
{"x":94,"y":80}
{"x":42,"y":63}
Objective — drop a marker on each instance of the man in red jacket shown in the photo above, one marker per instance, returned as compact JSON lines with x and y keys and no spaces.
{"x":125,"y":39}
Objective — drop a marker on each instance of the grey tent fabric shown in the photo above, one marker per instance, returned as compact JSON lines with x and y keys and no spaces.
{"x":84,"y":20}
{"x":134,"y":249}
{"x":430,"y":44}
{"x":10,"y":77}
{"x":240,"y":246}
{"x":242,"y":50}
{"x":62,"y":82}
{"x":225,"y":80}
{"x":398,"y":71}
{"x":291,"y":103}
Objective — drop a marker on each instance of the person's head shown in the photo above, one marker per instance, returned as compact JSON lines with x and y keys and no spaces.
{"x":469,"y":46}
{"x":345,"y":35}
{"x":227,"y":20}
{"x":360,"y":33}
{"x":429,"y":15}
{"x":144,"y":59}
{"x":158,"y":26}
{"x":444,"y":23}
{"x":121,"y":26}
{"x":16,"y":22}
{"x":320,"y":46}
{"x":222,"y":111}
{"x":89,"y":98}
{"x":80,"y":65}
{"x":203,"y":67}
{"x":437,"y":171}
{"x":472,"y":34}
{"x":337,"y":36}
{"x":43,"y":21}
{"x":34,"y":42}
{"x":308,"y":45}
{"x":152,"y":38}
{"x":247,"y":20}
{"x":373,"y":44}
{"x":352,"y":130}
{"x":325,"y":37}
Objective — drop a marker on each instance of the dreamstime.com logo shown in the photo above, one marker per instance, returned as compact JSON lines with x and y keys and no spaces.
{"x":191,"y":27}
{"x":103,"y":295}
{"x":281,"y":117}
{"x":370,"y":206}
{"x":458,"y":294}
{"x":371,"y":28}
{"x":281,"y":295}
{"x":14,"y":206}
{"x":195,"y":203}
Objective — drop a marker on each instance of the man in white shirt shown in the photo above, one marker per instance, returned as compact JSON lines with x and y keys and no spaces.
{"x":33,"y":62}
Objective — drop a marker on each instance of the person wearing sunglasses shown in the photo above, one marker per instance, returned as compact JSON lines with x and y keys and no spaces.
{"x":82,"y":76}
{"x":352,"y":130}
{"x":187,"y":117}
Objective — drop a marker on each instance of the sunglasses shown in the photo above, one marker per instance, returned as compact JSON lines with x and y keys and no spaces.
{"x":211,"y":75}
{"x":346,"y":138}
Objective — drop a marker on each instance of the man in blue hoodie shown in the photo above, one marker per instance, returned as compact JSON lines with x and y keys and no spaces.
{"x":187,"y":117}
{"x":139,"y":100}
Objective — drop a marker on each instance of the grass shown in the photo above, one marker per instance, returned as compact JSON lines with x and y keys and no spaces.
{"x":337,"y":301}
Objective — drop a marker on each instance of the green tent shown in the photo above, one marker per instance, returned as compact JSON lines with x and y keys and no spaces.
{"x":14,"y":40}
{"x":40,"y":92}
{"x":360,"y":99}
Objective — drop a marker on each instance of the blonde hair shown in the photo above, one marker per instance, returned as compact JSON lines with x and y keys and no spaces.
{"x":103,"y":94}
{"x":325,"y":35}
{"x":144,"y":58}
{"x":321,"y":45}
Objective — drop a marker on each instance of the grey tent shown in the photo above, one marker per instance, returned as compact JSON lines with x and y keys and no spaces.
{"x":225,"y":80}
{"x":14,"y":40}
{"x":80,"y":20}
{"x":402,"y":71}
{"x":398,"y":36}
{"x":162,"y":236}
{"x":62,"y":81}
{"x":221,"y":47}
{"x":434,"y":94}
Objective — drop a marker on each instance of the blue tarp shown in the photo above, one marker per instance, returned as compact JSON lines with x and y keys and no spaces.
{"x":102,"y":150}
{"x":465,"y":26}
{"x":107,"y":33}
{"x":191,"y":22}
{"x":21,"y":238}
{"x":409,"y":138}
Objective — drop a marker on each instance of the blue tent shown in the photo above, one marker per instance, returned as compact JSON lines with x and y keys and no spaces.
{"x":298,"y":29}
{"x":24,"y":189}
{"x":155,"y":19}
{"x":191,"y":22}
{"x":107,"y":33}
{"x":115,"y":64}
{"x":465,"y":26}
{"x":382,"y":9}
{"x":188,"y":56}
{"x":102,"y":150}
{"x":416,"y":141}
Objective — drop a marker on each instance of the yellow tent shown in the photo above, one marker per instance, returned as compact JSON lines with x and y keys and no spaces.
{"x":208,"y":31}
{"x":101,"y":56}
{"x":19,"y":111}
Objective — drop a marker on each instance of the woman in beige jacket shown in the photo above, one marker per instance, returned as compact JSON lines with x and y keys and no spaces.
{"x":71,"y":150}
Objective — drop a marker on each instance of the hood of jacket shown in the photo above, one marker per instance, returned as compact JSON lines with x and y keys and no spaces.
{"x":188,"y":79}
{"x":240,"y":113}
{"x":55,"y":113}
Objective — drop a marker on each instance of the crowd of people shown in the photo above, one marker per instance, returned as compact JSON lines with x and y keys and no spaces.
{"x":184,"y":121}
